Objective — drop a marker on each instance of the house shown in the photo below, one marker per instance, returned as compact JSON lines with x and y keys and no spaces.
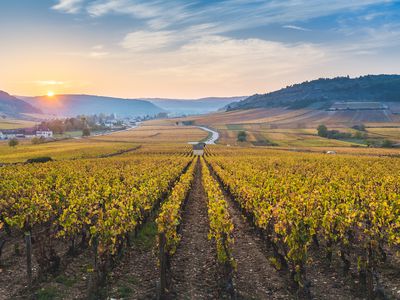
{"x":198,"y":149}
{"x":10,"y":134}
{"x":45,"y":133}
{"x":2,"y":136}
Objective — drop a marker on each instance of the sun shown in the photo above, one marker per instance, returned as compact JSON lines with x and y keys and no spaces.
{"x":50,"y":94}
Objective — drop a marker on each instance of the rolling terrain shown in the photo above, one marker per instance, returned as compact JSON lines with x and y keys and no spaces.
{"x":73,"y":105}
{"x":177,"y":107}
{"x":324,"y":92}
{"x":14,"y":107}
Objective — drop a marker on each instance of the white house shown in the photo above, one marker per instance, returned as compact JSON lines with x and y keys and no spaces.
{"x":2,"y":136}
{"x":198,"y":149}
{"x":44,"y":133}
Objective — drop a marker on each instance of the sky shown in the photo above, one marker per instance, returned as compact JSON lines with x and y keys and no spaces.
{"x":191,"y":48}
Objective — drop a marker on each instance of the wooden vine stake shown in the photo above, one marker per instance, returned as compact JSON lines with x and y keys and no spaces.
{"x":28,"y":244}
{"x":163,"y":265}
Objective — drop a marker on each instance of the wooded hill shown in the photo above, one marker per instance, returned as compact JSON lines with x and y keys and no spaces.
{"x":323,"y":92}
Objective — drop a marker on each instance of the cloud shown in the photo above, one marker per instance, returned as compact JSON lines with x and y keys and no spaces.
{"x":218,"y":60}
{"x":295,"y":27}
{"x":98,"y":54}
{"x":231,"y":15}
{"x":69,"y":6}
{"x":49,"y":82}
{"x":98,"y":47}
{"x":147,"y":40}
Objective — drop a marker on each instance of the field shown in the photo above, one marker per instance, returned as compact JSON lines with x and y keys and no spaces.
{"x":102,"y":145}
{"x":297,"y":128}
{"x":149,"y":134}
{"x":240,"y":222}
{"x":70,"y":149}
{"x":15,"y":124}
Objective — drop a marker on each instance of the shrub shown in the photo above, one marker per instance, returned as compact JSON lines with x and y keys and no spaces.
{"x":86,"y":132}
{"x":42,"y":159}
{"x":13,"y":142}
{"x":242,"y":136}
{"x":322,"y":130}
{"x":387,"y":144}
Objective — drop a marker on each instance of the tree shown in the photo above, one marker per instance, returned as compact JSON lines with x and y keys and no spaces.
{"x":387,"y":144}
{"x":86,"y":132}
{"x":242,"y":136}
{"x":360,"y":127}
{"x":322,"y":130}
{"x":13,"y":142}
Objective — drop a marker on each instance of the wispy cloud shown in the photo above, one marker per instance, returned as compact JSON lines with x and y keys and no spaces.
{"x":96,"y":52}
{"x":69,"y":6}
{"x":49,"y":82}
{"x":213,"y":59}
{"x":231,"y":15}
{"x":294,"y":27}
{"x":147,"y":40}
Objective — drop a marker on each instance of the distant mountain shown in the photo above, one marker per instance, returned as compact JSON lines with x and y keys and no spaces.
{"x":72,"y":105}
{"x":322,"y":93}
{"x":177,"y":107}
{"x":12,"y":106}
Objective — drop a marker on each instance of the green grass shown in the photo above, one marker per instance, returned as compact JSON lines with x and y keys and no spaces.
{"x":69,"y":134}
{"x":67,"y":281}
{"x":146,"y":236}
{"x":49,"y":293}
{"x":124,"y":292}
{"x":234,"y":126}
{"x":209,"y":136}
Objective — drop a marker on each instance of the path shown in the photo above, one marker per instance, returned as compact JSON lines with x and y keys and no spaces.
{"x":214,"y":135}
{"x":193,"y":267}
{"x":255,"y":277}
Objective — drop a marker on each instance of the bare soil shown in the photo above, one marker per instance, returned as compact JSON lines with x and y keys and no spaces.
{"x":255,"y":277}
{"x":194,"y":268}
{"x":136,"y":275}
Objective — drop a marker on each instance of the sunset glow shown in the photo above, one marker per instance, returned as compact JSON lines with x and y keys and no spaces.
{"x":179,"y":49}
{"x":50,"y":94}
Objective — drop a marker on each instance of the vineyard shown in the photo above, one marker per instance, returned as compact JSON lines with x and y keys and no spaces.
{"x":237,"y":223}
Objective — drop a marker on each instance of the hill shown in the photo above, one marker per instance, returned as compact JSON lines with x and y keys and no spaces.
{"x":12,"y":106}
{"x":178,"y":107}
{"x":323,"y":93}
{"x":72,"y":105}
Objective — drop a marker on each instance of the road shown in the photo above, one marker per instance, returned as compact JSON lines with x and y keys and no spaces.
{"x":110,"y":132}
{"x":214,"y":137}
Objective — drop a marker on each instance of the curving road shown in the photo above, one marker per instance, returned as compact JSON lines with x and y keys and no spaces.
{"x":214,"y":135}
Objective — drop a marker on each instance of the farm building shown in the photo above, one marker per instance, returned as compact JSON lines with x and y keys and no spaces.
{"x":45,"y":133}
{"x":198,"y":149}
{"x":25,"y":133}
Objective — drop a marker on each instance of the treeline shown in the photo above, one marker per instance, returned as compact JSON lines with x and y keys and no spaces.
{"x":336,"y":134}
{"x":78,"y":123}
{"x":359,"y":134}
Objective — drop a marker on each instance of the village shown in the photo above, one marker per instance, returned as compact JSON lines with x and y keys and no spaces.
{"x":26,"y":133}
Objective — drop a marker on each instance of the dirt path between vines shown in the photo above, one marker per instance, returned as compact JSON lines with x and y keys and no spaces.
{"x":136,"y":275}
{"x":255,"y":277}
{"x":252,"y":258}
{"x":194,"y":269}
